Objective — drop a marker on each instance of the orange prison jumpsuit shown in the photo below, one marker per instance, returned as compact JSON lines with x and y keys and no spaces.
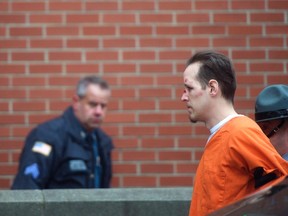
{"x":225,"y":172}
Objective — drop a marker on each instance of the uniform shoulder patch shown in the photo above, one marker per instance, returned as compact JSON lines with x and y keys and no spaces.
{"x":42,"y":148}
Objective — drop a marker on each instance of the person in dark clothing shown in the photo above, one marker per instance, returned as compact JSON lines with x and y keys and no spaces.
{"x":70,"y":151}
{"x":271,"y":114}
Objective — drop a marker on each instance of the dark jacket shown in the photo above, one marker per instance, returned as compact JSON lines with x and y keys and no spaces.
{"x":56,"y":155}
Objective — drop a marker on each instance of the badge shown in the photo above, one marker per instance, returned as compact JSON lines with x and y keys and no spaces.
{"x":77,"y":165}
{"x":42,"y":148}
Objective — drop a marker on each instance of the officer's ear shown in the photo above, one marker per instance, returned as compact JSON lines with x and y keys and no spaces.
{"x":75,"y":101}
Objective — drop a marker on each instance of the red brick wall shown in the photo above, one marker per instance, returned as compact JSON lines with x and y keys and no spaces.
{"x":141,"y":48}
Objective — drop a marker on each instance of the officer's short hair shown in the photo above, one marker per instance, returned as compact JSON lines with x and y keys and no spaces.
{"x":95,"y":80}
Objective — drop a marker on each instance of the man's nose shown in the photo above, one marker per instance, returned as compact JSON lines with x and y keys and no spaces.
{"x":98,"y":109}
{"x":184,"y":96}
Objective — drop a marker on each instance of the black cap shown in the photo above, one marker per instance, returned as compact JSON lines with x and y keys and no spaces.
{"x":272,"y":103}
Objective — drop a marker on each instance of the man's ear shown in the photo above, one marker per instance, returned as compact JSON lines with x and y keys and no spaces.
{"x":75,"y":100}
{"x":213,"y":87}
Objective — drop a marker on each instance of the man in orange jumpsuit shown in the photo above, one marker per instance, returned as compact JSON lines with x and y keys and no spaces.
{"x":238,"y":157}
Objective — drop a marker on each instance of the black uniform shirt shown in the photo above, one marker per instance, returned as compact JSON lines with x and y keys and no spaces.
{"x":56,"y":155}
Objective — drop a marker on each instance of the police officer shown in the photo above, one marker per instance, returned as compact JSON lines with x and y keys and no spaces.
{"x":271,"y":113}
{"x":70,"y":151}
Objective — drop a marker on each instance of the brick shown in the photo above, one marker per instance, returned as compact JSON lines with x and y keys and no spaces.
{"x":58,"y":105}
{"x":138,"y":55}
{"x":172,"y":104}
{"x":276,"y":29}
{"x":13,"y":93}
{"x":175,"y":5}
{"x":139,"y":181}
{"x":11,"y":69}
{"x":21,"y":131}
{"x":211,"y":5}
{"x":156,"y":68}
{"x":45,"y":18}
{"x":248,"y":54}
{"x":3,"y":56}
{"x":138,"y":105}
{"x":46,"y":43}
{"x":156,"y":168}
{"x":124,"y":168}
{"x":119,"y":18}
{"x":45,"y":93}
{"x":139,"y":155}
{"x":192,"y":18}
{"x":12,"y":43}
{"x":173,"y":55}
{"x":82,"y":43}
{"x":40,"y":118}
{"x":29,"y":81}
{"x":192,"y":42}
{"x":266,"y":42}
{"x":11,"y":19}
{"x":138,"y":6}
{"x":131,"y":80}
{"x":7,"y":169}
{"x":276,"y":79}
{"x":11,"y":119}
{"x":267,"y":67}
{"x":61,"y":31}
{"x":267,"y":17}
{"x":28,"y":106}
{"x":119,"y":68}
{"x":208,"y":30}
{"x":101,"y":5}
{"x":60,"y":56}
{"x":138,"y":130}
{"x":118,"y":43}
{"x":28,"y":6}
{"x":172,"y":30}
{"x":28,"y":56}
{"x":5,"y":183}
{"x":175,"y":130}
{"x":155,"y":118}
{"x":64,"y":6}
{"x":136,"y":30}
{"x":157,"y":142}
{"x":173,"y":181}
{"x":5,"y":131}
{"x":125,"y":143}
{"x":82,"y":18}
{"x":175,"y":155}
{"x":229,"y":42}
{"x":186,"y":167}
{"x":280,"y":4}
{"x":245,"y":30}
{"x":3,"y":6}
{"x":247,"y":5}
{"x":63,"y":81}
{"x":170,"y":80}
{"x":123,"y":93}
{"x":99,"y":30}
{"x":82,"y":68}
{"x":152,"y":18}
{"x":155,"y":92}
{"x":9,"y":144}
{"x":25,"y":31}
{"x":102,"y":55}
{"x":278,"y":54}
{"x":230,"y":18}
{"x":158,"y":42}
{"x":192,"y":142}
{"x":120,"y":118}
{"x":45,"y":68}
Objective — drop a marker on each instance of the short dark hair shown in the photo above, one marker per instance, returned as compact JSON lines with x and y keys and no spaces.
{"x":85,"y":81}
{"x":216,"y":66}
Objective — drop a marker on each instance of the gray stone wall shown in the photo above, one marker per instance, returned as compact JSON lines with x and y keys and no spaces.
{"x":99,"y":202}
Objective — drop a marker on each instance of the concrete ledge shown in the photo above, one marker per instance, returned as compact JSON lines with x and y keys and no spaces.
{"x":100,"y":202}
